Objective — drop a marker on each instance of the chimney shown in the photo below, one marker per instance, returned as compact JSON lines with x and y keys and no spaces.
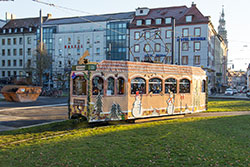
{"x":193,"y":4}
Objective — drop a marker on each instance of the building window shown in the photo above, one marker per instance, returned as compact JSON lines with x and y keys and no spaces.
{"x":185,"y":46}
{"x":157,"y":47}
{"x":14,"y":41}
{"x":15,"y":30}
{"x":9,"y":73}
{"x":78,"y":52}
{"x":158,"y":21}
{"x":168,"y":59}
{"x":29,"y":40}
{"x":29,"y":63}
{"x":185,"y":32}
{"x":20,"y":41}
{"x":196,"y":60}
{"x":157,"y":59}
{"x":69,"y":52}
{"x":14,"y":52}
{"x":10,"y":30}
{"x":29,"y":51}
{"x":3,"y":41}
{"x":98,"y":51}
{"x":69,"y":40}
{"x":3,"y":63}
{"x":60,"y":64}
{"x":9,"y":63}
{"x":97,"y":85}
{"x":30,"y":29}
{"x":3,"y":73}
{"x":60,"y":40}
{"x":168,"y":33}
{"x":14,"y":63}
{"x":21,"y":52}
{"x":79,"y":86}
{"x":120,"y":86}
{"x":138,"y":84}
{"x":157,"y":34}
{"x":168,"y":47}
{"x":203,"y":86}
{"x":148,"y":21}
{"x":8,"y":52}
{"x":60,"y":52}
{"x":111,"y":86}
{"x":197,"y":46}
{"x":147,"y":35}
{"x":9,"y":41}
{"x":184,"y":60}
{"x":146,"y":48}
{"x":3,"y":52}
{"x":197,"y":32}
{"x":79,"y":41}
{"x":136,"y":35}
{"x":14,"y":73}
{"x":170,"y":85}
{"x":184,"y":86}
{"x":136,"y":48}
{"x":137,"y":59}
{"x":20,"y":63}
{"x":4,"y":31}
{"x":168,"y":20}
{"x":189,"y":19}
{"x":138,"y":22}
{"x":155,"y":85}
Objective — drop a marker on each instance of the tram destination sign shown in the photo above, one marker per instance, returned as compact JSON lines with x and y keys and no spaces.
{"x":89,"y":67}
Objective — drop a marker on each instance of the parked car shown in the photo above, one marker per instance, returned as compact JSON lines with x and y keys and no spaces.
{"x":229,"y":91}
{"x":248,"y":93}
{"x":235,"y":91}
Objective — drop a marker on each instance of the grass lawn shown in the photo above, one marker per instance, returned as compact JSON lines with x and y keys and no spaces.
{"x":213,"y":141}
{"x":228,"y":105}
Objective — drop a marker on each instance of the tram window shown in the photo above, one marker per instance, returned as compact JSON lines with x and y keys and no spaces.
{"x":138,"y":84}
{"x":155,"y":85}
{"x":111,"y":84}
{"x":120,"y":86}
{"x":184,"y":86}
{"x":170,"y":85}
{"x":203,"y":86}
{"x":97,"y":86}
{"x":79,"y":86}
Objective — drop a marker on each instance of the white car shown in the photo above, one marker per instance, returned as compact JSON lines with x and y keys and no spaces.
{"x":229,"y":91}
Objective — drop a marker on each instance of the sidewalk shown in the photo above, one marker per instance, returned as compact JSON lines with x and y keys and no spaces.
{"x":239,"y":96}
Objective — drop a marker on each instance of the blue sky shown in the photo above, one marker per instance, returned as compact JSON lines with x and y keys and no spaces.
{"x":236,"y":13}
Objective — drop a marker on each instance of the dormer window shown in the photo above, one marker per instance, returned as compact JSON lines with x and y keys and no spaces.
{"x":148,"y":22}
{"x":189,"y":18}
{"x":4,"y":31}
{"x":168,"y":20}
{"x":15,"y":30}
{"x":21,"y":29}
{"x":30,"y":29}
{"x":158,"y":21}
{"x":138,"y":22}
{"x":141,"y":11}
{"x":10,"y":30}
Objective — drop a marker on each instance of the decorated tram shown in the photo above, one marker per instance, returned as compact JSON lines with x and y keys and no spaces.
{"x":123,"y":90}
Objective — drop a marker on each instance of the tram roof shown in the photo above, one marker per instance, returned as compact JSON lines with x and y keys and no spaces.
{"x":144,"y":67}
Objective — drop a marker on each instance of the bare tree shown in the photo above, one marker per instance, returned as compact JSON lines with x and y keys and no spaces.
{"x":40,"y":64}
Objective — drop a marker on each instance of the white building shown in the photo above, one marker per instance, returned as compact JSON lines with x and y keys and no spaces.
{"x":194,"y":45}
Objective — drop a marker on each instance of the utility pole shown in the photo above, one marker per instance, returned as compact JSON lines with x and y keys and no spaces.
{"x":179,"y":50}
{"x":173,"y":39}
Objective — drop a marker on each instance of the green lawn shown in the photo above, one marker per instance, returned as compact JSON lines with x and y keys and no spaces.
{"x":228,"y":105}
{"x":214,"y":141}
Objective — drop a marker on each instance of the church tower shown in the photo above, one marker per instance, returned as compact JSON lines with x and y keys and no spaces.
{"x":221,"y":28}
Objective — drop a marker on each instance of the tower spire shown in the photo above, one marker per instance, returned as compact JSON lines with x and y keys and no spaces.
{"x":221,"y":28}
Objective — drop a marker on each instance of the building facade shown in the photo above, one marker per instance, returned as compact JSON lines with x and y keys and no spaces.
{"x":172,"y":35}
